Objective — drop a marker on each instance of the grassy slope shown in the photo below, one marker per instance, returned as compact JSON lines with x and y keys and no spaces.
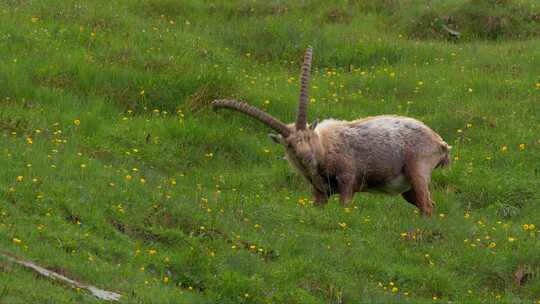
{"x":156,"y":197}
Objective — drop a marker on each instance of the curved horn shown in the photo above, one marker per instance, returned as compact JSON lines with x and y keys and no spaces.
{"x":301,"y":117}
{"x":261,"y":116}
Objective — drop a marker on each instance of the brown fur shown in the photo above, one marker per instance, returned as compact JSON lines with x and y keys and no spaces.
{"x":388,"y":153}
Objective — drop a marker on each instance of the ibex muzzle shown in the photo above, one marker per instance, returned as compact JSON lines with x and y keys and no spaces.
{"x":387,"y":153}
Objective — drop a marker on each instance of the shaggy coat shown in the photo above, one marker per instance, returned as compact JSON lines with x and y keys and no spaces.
{"x":389,"y":154}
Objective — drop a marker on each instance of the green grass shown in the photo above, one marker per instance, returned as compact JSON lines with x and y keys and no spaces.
{"x":157,"y":197}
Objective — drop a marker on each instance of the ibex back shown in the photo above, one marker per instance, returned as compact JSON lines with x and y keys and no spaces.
{"x":389,"y":154}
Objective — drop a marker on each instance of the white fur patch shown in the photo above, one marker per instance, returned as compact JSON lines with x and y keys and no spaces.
{"x":326,"y":124}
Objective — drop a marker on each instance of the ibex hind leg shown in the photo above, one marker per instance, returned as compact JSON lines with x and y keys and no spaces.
{"x":410,"y":196}
{"x":419,"y":174}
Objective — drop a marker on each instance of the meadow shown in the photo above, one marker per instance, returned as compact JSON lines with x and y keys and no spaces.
{"x":116,"y":172}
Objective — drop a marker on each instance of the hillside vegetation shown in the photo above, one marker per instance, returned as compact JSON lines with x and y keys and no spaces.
{"x":115,"y":172}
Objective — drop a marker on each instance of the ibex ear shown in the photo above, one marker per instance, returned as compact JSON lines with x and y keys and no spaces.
{"x":275,"y":137}
{"x":314,"y":124}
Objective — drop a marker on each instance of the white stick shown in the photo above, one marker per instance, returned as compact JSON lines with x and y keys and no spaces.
{"x":98,"y":293}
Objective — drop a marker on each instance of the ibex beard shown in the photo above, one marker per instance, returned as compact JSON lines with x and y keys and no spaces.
{"x":387,"y":153}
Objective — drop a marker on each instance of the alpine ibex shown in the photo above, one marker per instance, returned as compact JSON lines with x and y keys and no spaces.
{"x":386,"y":153}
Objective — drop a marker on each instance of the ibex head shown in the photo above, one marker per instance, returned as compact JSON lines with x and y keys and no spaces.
{"x":301,"y":142}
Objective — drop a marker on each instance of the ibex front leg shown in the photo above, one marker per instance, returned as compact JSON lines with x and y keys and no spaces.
{"x":319,"y":198}
{"x":345,"y":188}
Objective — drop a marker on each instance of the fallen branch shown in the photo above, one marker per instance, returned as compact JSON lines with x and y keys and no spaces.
{"x":451,"y":32}
{"x":98,"y":293}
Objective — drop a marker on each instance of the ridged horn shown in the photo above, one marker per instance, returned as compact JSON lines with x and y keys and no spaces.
{"x":301,"y":118}
{"x":261,"y":116}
